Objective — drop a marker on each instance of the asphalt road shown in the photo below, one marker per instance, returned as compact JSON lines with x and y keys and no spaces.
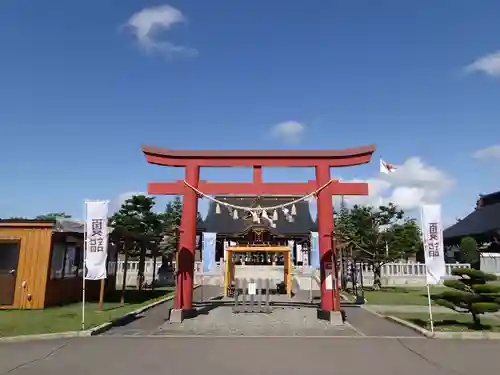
{"x":112,"y":355}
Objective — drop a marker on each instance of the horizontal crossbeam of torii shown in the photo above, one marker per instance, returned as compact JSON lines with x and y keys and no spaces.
{"x":255,"y":188}
{"x":193,"y":160}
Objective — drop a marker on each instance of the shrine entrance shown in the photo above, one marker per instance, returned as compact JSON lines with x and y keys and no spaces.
{"x":322,"y":188}
{"x":267,"y":251}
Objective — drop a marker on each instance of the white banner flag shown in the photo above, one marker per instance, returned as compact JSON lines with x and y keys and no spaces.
{"x":432,"y":238}
{"x":96,"y":231}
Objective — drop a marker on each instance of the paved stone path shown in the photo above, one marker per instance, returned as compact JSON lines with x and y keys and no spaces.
{"x":113,"y":355}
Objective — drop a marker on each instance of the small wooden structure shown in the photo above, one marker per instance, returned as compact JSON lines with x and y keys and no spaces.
{"x":41,"y":265}
{"x":230,"y":272}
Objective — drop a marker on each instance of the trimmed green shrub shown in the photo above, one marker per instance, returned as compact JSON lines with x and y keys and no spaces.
{"x":473,"y":292}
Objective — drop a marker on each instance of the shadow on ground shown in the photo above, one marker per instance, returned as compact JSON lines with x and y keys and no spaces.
{"x":204,"y":308}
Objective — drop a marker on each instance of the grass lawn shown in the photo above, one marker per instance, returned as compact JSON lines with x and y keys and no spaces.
{"x":399,"y":296}
{"x":451,"y":322}
{"x":68,"y":318}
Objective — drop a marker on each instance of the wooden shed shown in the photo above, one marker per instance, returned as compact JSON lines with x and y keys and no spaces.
{"x":41,"y":264}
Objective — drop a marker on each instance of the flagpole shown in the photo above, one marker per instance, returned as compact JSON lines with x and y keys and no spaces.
{"x":430,"y":307}
{"x":429,"y":302}
{"x":84,"y":262}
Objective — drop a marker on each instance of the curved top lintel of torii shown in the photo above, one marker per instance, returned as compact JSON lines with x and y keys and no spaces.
{"x":271,"y":158}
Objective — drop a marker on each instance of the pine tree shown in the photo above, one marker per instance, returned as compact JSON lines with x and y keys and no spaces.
{"x":471,"y":293}
{"x":139,"y":227}
{"x":171,"y":223}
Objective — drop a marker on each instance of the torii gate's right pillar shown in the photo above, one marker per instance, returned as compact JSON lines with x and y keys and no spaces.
{"x":330,"y":297}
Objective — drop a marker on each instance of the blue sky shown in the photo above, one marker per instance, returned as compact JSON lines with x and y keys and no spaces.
{"x":84,"y":84}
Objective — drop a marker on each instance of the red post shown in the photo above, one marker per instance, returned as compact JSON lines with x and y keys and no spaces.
{"x":325,"y":229}
{"x":187,"y":241}
{"x":257,"y":174}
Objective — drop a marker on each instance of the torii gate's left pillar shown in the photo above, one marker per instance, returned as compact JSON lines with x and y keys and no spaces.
{"x":187,"y":243}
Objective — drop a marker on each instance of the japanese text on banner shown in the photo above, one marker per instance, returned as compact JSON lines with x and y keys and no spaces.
{"x":433,"y":245}
{"x":432,"y":236}
{"x":96,"y":238}
{"x":96,"y":249}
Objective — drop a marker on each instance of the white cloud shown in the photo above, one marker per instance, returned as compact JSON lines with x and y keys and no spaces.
{"x":290,"y":132}
{"x":489,"y":65}
{"x":116,"y":203}
{"x":488,"y":153}
{"x":149,"y":23}
{"x":411,"y":185}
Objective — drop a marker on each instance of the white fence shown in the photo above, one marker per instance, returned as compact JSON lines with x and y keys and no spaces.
{"x":411,"y":269}
{"x":400,"y":274}
{"x":490,"y":262}
{"x":410,"y":273}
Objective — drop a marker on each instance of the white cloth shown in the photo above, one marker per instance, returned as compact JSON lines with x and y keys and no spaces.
{"x":432,"y":238}
{"x":386,"y":167}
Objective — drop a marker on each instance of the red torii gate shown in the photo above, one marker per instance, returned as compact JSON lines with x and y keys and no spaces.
{"x":193,"y":160}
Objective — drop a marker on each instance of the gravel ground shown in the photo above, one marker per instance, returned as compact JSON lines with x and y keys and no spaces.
{"x":289,"y":317}
{"x":282,"y":321}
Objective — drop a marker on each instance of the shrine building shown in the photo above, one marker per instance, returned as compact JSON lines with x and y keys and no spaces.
{"x":278,"y":227}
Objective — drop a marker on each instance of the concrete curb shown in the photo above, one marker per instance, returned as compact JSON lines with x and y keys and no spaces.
{"x":410,"y":325}
{"x":481,"y":335}
{"x":468,"y":335}
{"x":365,"y":307}
{"x":45,"y":336}
{"x":344,"y":297}
{"x":92,"y":331}
{"x":402,"y":322}
{"x":349,"y":298}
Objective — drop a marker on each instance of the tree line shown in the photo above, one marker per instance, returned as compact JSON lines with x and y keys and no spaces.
{"x":377,"y":235}
{"x":372,"y":235}
{"x":139,"y":232}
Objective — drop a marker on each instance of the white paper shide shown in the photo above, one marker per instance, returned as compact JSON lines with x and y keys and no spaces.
{"x":432,"y":236}
{"x":252,"y":289}
{"x":96,"y":249}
